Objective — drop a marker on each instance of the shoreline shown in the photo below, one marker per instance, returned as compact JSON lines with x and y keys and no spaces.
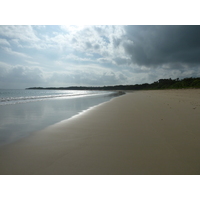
{"x":22,"y":119}
{"x":141,"y":132}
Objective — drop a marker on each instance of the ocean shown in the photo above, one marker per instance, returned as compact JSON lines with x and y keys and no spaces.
{"x":25,"y":111}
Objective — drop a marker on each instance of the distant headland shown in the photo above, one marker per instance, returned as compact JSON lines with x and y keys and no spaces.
{"x":160,"y":84}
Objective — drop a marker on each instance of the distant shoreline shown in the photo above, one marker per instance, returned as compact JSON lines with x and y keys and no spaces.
{"x":188,"y":83}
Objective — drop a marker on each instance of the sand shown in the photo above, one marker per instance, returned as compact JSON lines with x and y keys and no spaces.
{"x":140,"y":133}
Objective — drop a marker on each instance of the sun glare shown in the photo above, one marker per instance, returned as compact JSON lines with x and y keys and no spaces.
{"x":74,"y":28}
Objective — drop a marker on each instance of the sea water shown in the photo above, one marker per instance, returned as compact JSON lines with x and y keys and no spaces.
{"x":25,"y":111}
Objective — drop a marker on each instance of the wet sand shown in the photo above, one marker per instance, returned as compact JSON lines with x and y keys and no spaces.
{"x":140,"y":133}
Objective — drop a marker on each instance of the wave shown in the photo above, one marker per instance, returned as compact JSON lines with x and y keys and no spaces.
{"x":26,"y":99}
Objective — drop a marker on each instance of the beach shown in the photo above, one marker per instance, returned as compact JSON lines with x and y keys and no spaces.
{"x":139,"y":133}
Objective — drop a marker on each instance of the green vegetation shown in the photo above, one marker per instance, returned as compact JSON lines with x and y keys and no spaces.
{"x":176,"y":83}
{"x":160,"y":84}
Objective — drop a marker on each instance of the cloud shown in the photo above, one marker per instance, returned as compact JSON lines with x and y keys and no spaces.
{"x":76,"y":58}
{"x":32,"y":62}
{"x":4,"y":42}
{"x":19,"y":76}
{"x":15,"y":53}
{"x":122,"y":61}
{"x":23,"y":33}
{"x":156,"y":45}
{"x":87,"y":78}
{"x":104,"y":60}
{"x":99,"y":40}
{"x":87,"y":75}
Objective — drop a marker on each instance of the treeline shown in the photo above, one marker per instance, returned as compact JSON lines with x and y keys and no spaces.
{"x":160,"y":84}
{"x":176,"y":83}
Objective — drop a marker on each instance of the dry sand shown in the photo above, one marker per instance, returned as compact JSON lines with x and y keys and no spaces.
{"x":142,"y":132}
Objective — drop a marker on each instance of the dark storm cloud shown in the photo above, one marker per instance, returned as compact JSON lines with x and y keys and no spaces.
{"x":156,"y":45}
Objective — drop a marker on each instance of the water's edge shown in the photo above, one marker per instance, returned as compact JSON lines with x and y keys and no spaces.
{"x":20,"y":120}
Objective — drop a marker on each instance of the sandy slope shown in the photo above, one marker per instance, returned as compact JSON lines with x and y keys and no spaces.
{"x":142,"y":132}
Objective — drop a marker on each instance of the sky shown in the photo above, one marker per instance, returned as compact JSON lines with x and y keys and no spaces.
{"x":100,"y":55}
{"x":96,"y":55}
